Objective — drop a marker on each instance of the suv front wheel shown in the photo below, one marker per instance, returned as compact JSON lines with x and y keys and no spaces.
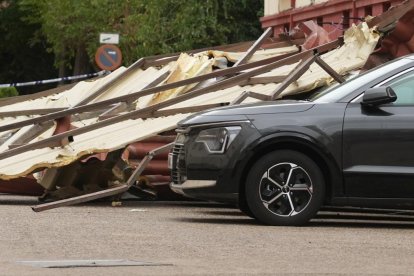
{"x":285,"y":187}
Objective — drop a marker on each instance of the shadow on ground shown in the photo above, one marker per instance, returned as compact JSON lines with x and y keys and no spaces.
{"x":216,"y":213}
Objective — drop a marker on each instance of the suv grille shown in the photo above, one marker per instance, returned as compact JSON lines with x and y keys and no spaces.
{"x":178,"y":168}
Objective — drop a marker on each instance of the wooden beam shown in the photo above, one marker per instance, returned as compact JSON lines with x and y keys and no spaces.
{"x":286,"y":43}
{"x":159,"y":62}
{"x":109,"y":84}
{"x":250,"y":94}
{"x":294,"y":75}
{"x":80,"y":199}
{"x":123,"y":106}
{"x":329,"y":70}
{"x":183,"y":110}
{"x":30,"y":134}
{"x":265,"y":80}
{"x":30,"y":112}
{"x":116,"y":109}
{"x":245,"y":58}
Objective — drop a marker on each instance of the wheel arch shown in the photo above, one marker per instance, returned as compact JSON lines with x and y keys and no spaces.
{"x":297,"y":142}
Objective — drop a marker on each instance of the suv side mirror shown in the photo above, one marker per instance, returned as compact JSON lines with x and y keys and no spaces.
{"x":378,"y":96}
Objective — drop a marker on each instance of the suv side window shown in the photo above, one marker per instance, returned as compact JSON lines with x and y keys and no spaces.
{"x":404,"y":88}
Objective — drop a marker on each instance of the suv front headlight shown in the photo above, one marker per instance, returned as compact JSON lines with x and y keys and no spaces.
{"x":217,"y":140}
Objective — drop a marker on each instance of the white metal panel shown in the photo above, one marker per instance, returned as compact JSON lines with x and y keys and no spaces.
{"x":67,"y":98}
{"x":102,"y":140}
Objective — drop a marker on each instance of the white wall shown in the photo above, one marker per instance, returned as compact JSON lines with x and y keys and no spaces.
{"x":284,"y":5}
{"x":271,"y":7}
{"x":303,"y":3}
{"x":277,"y":6}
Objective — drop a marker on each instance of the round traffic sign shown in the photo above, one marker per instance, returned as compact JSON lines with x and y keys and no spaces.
{"x":108,"y":57}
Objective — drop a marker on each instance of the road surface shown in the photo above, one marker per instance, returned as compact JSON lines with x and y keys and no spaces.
{"x":199,"y":238}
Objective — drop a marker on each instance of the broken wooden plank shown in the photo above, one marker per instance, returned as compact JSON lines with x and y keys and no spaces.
{"x":123,"y":106}
{"x":182,"y":110}
{"x":294,"y":75}
{"x":285,"y":43}
{"x":116,"y":109}
{"x":80,"y":199}
{"x":250,"y":94}
{"x":245,"y":58}
{"x":30,"y":112}
{"x":31,"y":133}
{"x":265,"y":79}
{"x":109,"y":84}
{"x":329,"y":70}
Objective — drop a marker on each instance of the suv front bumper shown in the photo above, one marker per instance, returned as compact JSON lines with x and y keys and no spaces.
{"x":198,"y":173}
{"x":191,"y":184}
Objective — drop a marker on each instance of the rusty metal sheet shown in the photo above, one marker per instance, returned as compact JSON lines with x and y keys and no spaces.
{"x":315,"y":34}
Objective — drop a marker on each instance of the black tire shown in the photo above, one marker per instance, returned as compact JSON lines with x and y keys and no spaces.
{"x":245,"y":209}
{"x":271,"y":193}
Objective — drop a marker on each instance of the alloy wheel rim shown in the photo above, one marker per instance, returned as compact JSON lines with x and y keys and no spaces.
{"x":285,"y":189}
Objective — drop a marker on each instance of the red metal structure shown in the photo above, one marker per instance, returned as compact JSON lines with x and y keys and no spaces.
{"x":334,"y":16}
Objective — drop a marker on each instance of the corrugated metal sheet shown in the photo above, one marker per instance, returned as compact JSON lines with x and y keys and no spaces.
{"x":102,"y":140}
{"x":359,"y":43}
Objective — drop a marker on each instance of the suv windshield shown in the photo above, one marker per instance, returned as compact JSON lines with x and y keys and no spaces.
{"x":337,"y":92}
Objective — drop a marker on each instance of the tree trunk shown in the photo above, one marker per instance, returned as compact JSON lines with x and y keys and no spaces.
{"x":82,"y":65}
{"x":62,"y":65}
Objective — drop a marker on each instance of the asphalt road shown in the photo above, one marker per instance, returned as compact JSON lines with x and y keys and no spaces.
{"x":196,"y":238}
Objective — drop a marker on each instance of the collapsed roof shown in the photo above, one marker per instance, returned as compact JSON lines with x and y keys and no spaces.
{"x":55,"y":128}
{"x":148,"y":98}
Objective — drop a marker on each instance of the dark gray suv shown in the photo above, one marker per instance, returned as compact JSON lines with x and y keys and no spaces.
{"x":280,"y":161}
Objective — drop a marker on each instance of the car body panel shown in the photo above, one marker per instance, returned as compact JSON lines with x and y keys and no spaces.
{"x":379,"y":151}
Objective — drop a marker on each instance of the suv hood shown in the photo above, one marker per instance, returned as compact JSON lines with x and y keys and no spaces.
{"x":242,"y":112}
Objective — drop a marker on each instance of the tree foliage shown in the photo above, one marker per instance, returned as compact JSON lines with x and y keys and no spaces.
{"x":22,"y":58}
{"x":8,"y":92}
{"x":146,"y":27}
{"x":72,"y":27}
{"x":174,"y":25}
